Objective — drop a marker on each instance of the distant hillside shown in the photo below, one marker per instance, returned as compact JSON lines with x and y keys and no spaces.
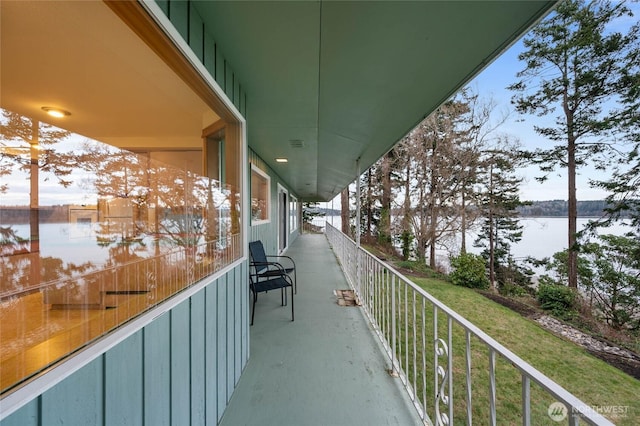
{"x":550,"y":208}
{"x":559,"y":208}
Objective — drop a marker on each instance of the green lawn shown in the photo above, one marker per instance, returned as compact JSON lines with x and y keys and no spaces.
{"x":590,"y":379}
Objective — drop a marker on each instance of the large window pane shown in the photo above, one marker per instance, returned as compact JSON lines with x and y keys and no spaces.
{"x":111,"y":209}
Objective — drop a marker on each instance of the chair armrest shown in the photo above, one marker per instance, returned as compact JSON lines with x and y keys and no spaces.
{"x":279,"y":268}
{"x":285,"y":257}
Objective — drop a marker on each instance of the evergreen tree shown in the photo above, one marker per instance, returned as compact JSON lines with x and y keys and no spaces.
{"x":499,"y":200}
{"x":576,"y":72}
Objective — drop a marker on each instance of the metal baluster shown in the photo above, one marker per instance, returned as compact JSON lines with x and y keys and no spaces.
{"x":393,"y":325}
{"x":450,"y":367}
{"x":415,"y":366}
{"x":441,"y":349}
{"x":526,"y":401}
{"x":574,"y":417}
{"x":406,"y":329}
{"x":424,"y":358}
{"x":436,"y":403}
{"x":468,"y":362}
{"x":492,"y":386}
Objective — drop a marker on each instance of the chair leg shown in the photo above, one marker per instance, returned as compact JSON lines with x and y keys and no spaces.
{"x":253,"y":310}
{"x":292,"y":318}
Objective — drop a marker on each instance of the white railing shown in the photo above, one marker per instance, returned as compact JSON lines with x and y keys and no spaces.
{"x":448,"y":366}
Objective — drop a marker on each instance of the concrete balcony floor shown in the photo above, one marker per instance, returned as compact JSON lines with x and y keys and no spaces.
{"x":326,"y":367}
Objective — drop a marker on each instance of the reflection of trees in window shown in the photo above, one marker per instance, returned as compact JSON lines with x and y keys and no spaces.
{"x":20,"y":134}
{"x":28,"y":145}
{"x":121,"y":181}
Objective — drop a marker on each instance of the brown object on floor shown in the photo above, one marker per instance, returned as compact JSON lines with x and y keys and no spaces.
{"x":346,"y":298}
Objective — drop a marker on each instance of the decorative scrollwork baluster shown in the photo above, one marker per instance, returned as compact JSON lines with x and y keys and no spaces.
{"x":443,"y":370}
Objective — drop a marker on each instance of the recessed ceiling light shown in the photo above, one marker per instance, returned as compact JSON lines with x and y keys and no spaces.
{"x":56,"y":112}
{"x":282,"y":160}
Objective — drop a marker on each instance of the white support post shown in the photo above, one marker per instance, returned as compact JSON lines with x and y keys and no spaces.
{"x":358,"y":202}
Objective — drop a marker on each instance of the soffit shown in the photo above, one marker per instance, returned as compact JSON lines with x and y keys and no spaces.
{"x":350,"y":79}
{"x":84,"y":59}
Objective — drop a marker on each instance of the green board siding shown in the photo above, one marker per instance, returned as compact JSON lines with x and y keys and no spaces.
{"x":123,"y":383}
{"x":231,"y":340}
{"x":186,"y":19}
{"x":198,"y":366}
{"x":87,"y":407}
{"x":179,"y":17}
{"x":180,"y":365}
{"x":244,"y":300}
{"x":211,"y":345}
{"x":157,"y":372}
{"x":221,"y":345}
{"x":196,"y":33}
{"x":209,"y":53}
{"x":179,"y":369}
{"x":29,"y":415}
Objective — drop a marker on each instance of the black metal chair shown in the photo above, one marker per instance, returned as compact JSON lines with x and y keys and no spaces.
{"x":262,"y":284}
{"x":265,"y":268}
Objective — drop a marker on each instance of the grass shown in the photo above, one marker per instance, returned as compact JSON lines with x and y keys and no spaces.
{"x":588,"y":378}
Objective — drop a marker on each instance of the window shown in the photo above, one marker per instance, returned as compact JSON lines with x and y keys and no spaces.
{"x":293,"y":214}
{"x":260,"y":196}
{"x":108,"y":211}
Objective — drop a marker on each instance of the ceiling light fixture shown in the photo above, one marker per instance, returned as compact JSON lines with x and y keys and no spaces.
{"x":56,"y":112}
{"x":282,"y":160}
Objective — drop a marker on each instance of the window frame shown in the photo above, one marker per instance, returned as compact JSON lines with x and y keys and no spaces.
{"x":267,"y":179}
{"x":293,"y":214}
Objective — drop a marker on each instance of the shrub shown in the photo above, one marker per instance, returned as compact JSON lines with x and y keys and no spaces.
{"x":560,"y":300}
{"x":510,"y":289}
{"x":469,"y":271}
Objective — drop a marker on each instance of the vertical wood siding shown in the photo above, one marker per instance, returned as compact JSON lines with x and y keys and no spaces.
{"x":183,"y":367}
{"x":180,"y":369}
{"x":185,"y":17}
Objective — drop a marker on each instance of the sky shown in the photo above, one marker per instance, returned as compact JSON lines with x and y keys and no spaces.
{"x":492,"y":82}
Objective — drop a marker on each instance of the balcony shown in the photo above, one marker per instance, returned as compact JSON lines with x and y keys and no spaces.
{"x":324,"y":368}
{"x":391,"y":361}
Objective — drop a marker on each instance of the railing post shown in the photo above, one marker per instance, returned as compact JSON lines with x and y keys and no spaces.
{"x":468,"y":371}
{"x":391,"y":287}
{"x":393,"y":325}
{"x":492,"y":387}
{"x":526,"y":401}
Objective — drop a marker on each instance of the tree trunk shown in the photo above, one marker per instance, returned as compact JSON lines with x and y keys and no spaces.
{"x":34,"y":205}
{"x":433,"y":208}
{"x":406,"y":213}
{"x":344,"y":211}
{"x":463,"y":223}
{"x":385,"y":216}
{"x":572,"y":258}
{"x":492,"y":240}
{"x":368,"y":205}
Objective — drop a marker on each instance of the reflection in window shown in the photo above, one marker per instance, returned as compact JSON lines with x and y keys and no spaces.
{"x":92,"y":235}
{"x":260,"y":196}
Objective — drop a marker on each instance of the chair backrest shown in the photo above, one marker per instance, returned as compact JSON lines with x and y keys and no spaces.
{"x":256,"y":250}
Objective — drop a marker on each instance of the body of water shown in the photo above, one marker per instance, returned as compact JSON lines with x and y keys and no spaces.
{"x":541,"y":237}
{"x":76,"y":243}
